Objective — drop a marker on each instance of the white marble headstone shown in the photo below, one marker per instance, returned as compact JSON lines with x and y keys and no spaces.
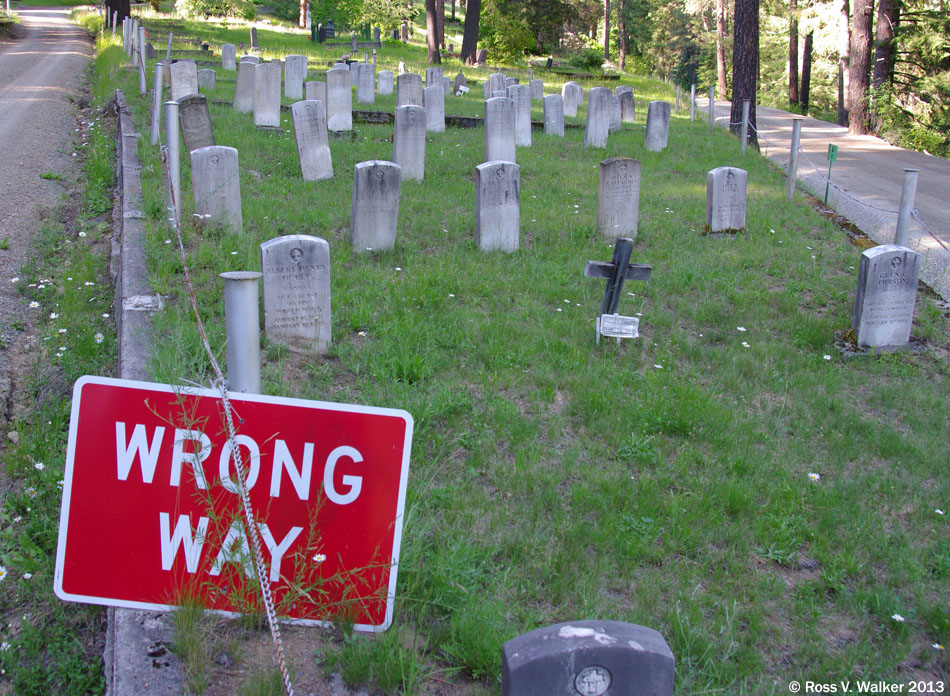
{"x":409,"y":141}
{"x":886,"y":296}
{"x":216,"y":185}
{"x":434,"y":98}
{"x":375,"y":207}
{"x":184,"y":76}
{"x":339,"y":100}
{"x":499,"y":130}
{"x":725,"y":199}
{"x":554,"y":115}
{"x":267,"y":95}
{"x":244,"y":88}
{"x":618,"y":199}
{"x":520,"y":96}
{"x":658,"y":126}
{"x":497,"y":206}
{"x":295,"y":72}
{"x":408,"y":89}
{"x":310,"y":132}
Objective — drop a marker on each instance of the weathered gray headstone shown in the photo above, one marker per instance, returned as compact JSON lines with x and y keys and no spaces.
{"x":614,"y":123}
{"x":184,"y":75}
{"x":409,"y":141}
{"x":315,"y":90}
{"x":385,"y":82}
{"x":408,"y":89}
{"x":497,"y":206}
{"x":597,"y":125}
{"x":520,"y":96}
{"x":244,"y":88}
{"x":313,"y":147}
{"x":435,"y":108}
{"x":886,"y":295}
{"x":618,"y":199}
{"x":658,"y":126}
{"x":216,"y":184}
{"x":510,"y":81}
{"x":295,"y":72}
{"x":365,"y":83}
{"x":375,"y":207}
{"x":401,"y":70}
{"x":554,"y":115}
{"x":496,"y":82}
{"x":573,"y":95}
{"x":339,"y":100}
{"x":195,"y":122}
{"x":499,"y":130}
{"x":486,"y":89}
{"x":267,"y":95}
{"x":207,"y":78}
{"x":446,"y":86}
{"x":725,"y":199}
{"x":500,"y":94}
{"x":589,"y":658}
{"x":459,"y":81}
{"x":228,"y":56}
{"x":628,"y":113}
{"x":296,"y":289}
{"x":537,"y":89}
{"x":251,"y":59}
{"x":254,"y":43}
{"x":481,"y":55}
{"x":433,"y":77}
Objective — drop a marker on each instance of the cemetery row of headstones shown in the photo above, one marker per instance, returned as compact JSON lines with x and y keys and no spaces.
{"x":507,"y":125}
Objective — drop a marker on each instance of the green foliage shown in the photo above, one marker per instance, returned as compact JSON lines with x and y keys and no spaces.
{"x":344,"y":13}
{"x":503,"y":31}
{"x":588,"y":58}
{"x":217,"y":8}
{"x":385,"y":14}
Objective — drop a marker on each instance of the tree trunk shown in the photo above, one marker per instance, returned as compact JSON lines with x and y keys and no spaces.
{"x":859,"y":78}
{"x":745,"y":64}
{"x":302,"y":20}
{"x":793,"y":52}
{"x":440,"y":16}
{"x":122,"y":7}
{"x":432,"y":32}
{"x":473,"y":9}
{"x":844,"y":58}
{"x":888,"y":17}
{"x":606,"y":29}
{"x":453,"y":10}
{"x":806,"y":70}
{"x":721,"y":48}
{"x":622,"y":25}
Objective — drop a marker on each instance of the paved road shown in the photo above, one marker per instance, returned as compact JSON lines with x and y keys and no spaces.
{"x":866,"y":183}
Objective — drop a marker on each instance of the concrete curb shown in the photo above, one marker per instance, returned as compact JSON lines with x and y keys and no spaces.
{"x":138,"y":661}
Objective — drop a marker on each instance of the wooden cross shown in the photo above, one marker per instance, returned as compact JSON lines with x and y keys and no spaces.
{"x":615,"y":272}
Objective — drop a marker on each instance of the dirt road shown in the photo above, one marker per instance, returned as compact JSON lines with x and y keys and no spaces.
{"x":40,"y":86}
{"x":865,"y":183}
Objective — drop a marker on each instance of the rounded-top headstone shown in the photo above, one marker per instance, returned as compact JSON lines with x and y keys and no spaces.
{"x":725,"y":199}
{"x":216,"y":184}
{"x":658,"y":126}
{"x":375,"y":206}
{"x":590,"y":658}
{"x":886,"y":295}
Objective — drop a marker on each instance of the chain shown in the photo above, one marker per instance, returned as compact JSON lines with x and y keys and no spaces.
{"x":221,"y":384}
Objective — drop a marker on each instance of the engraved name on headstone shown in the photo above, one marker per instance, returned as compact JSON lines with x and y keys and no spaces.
{"x":618,"y":199}
{"x":216,"y":185}
{"x":195,"y":122}
{"x":184,"y":79}
{"x":408,"y":89}
{"x":497,"y":206}
{"x":725,"y":199}
{"x":886,"y":296}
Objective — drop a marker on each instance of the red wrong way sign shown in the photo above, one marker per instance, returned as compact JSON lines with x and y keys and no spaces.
{"x":151,"y":511}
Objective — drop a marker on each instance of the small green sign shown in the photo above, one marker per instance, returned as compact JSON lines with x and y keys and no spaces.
{"x":832,"y":152}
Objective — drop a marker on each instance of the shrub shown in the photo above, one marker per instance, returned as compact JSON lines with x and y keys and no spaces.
{"x":586,"y":58}
{"x":219,"y":8}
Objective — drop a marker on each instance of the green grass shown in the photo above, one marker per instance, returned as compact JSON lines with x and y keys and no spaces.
{"x":663,"y":481}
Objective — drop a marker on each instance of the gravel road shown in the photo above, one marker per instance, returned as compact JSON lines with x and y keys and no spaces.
{"x":41,"y":69}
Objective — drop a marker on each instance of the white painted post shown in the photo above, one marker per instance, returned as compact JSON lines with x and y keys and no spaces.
{"x":712,"y":108}
{"x":692,"y":102}
{"x":793,"y":160}
{"x":172,"y":156}
{"x":143,"y":82}
{"x":676,"y":109}
{"x":243,"y":330}
{"x":745,"y":125}
{"x":157,"y":104}
{"x":168,"y":50}
{"x":908,"y":192}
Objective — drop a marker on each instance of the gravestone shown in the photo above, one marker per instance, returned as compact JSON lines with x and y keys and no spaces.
{"x":228,"y":55}
{"x":499,"y":130}
{"x":614,"y":123}
{"x":459,"y":81}
{"x":510,"y":82}
{"x":573,"y":95}
{"x":195,"y":122}
{"x":588,"y":658}
{"x":658,"y":126}
{"x":597,"y":125}
{"x":409,"y":90}
{"x":886,"y":295}
{"x":537,"y":89}
{"x":496,"y":82}
{"x":310,"y":132}
{"x":251,"y":59}
{"x":433,"y":77}
{"x":339,"y":100}
{"x":295,"y":72}
{"x":267,"y":95}
{"x":725,"y":199}
{"x":296,"y":289}
{"x":385,"y":82}
{"x":446,"y":86}
{"x":435,"y":109}
{"x":375,"y":207}
{"x":316,"y":90}
{"x":254,"y":43}
{"x":366,"y":83}
{"x":628,"y":113}
{"x":216,"y":185}
{"x":500,"y":94}
{"x":409,"y":141}
{"x":520,"y":96}
{"x":207,"y":78}
{"x":497,"y":206}
{"x":481,"y":55}
{"x":486,"y":89}
{"x":184,"y":76}
{"x":618,"y":198}
{"x":244,"y":88}
{"x":401,"y":70}
{"x":554,"y":115}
